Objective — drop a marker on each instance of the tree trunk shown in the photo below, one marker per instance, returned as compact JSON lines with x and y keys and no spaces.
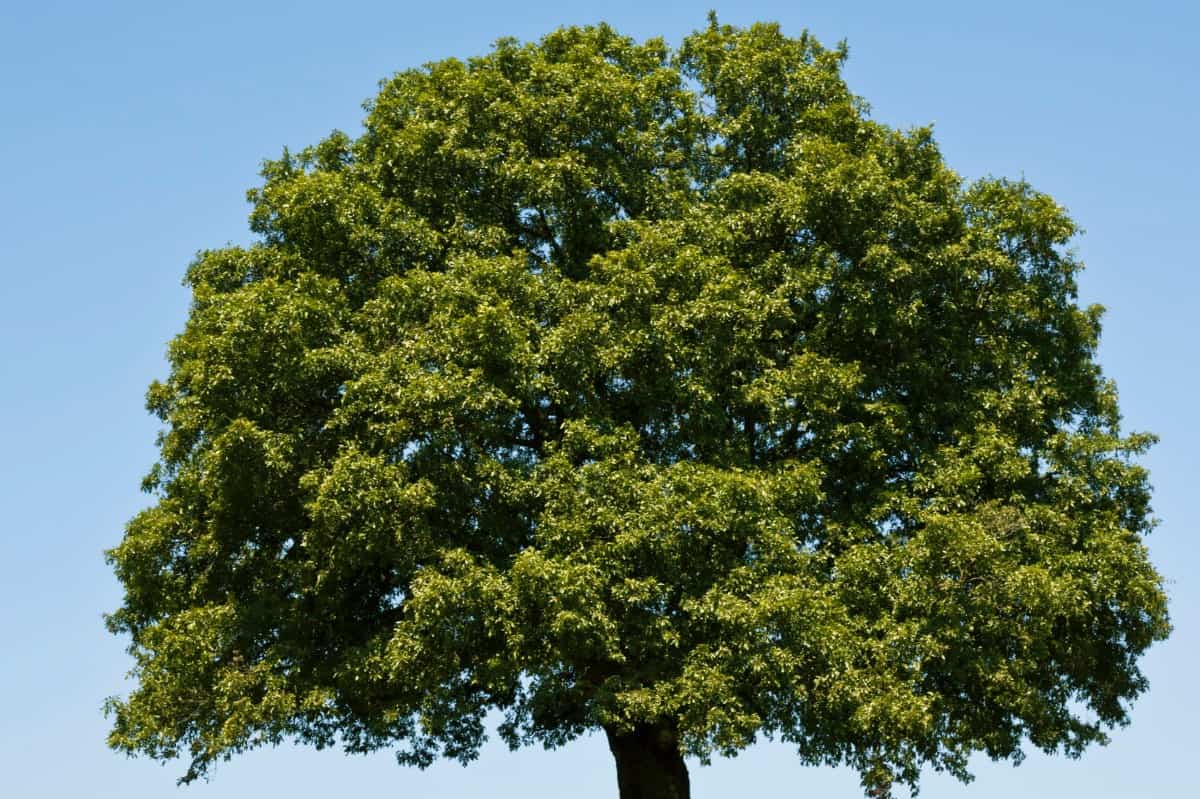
{"x":649,"y":765}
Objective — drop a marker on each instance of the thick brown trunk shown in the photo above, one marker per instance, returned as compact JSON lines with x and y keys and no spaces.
{"x":649,"y":765}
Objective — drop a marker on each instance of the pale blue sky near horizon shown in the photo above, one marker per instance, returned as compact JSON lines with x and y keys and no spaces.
{"x":131,"y":132}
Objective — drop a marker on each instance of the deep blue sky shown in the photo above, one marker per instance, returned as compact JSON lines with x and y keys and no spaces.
{"x":130,"y":132}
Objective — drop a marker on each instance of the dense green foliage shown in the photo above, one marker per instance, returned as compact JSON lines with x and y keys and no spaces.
{"x":610,"y":386}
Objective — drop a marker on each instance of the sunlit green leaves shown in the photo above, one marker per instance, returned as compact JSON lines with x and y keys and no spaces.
{"x":602,"y":385}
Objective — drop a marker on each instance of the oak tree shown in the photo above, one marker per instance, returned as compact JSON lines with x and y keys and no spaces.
{"x":607,"y":386}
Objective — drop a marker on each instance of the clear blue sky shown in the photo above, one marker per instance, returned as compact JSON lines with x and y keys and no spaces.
{"x":130,"y":131}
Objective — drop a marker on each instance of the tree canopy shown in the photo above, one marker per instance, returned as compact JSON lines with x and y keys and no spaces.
{"x":605,"y":385}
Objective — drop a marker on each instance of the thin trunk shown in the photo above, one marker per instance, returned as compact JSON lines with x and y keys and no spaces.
{"x":649,"y":764}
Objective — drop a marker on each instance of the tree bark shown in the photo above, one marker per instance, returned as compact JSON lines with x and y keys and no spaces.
{"x":649,"y":764}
